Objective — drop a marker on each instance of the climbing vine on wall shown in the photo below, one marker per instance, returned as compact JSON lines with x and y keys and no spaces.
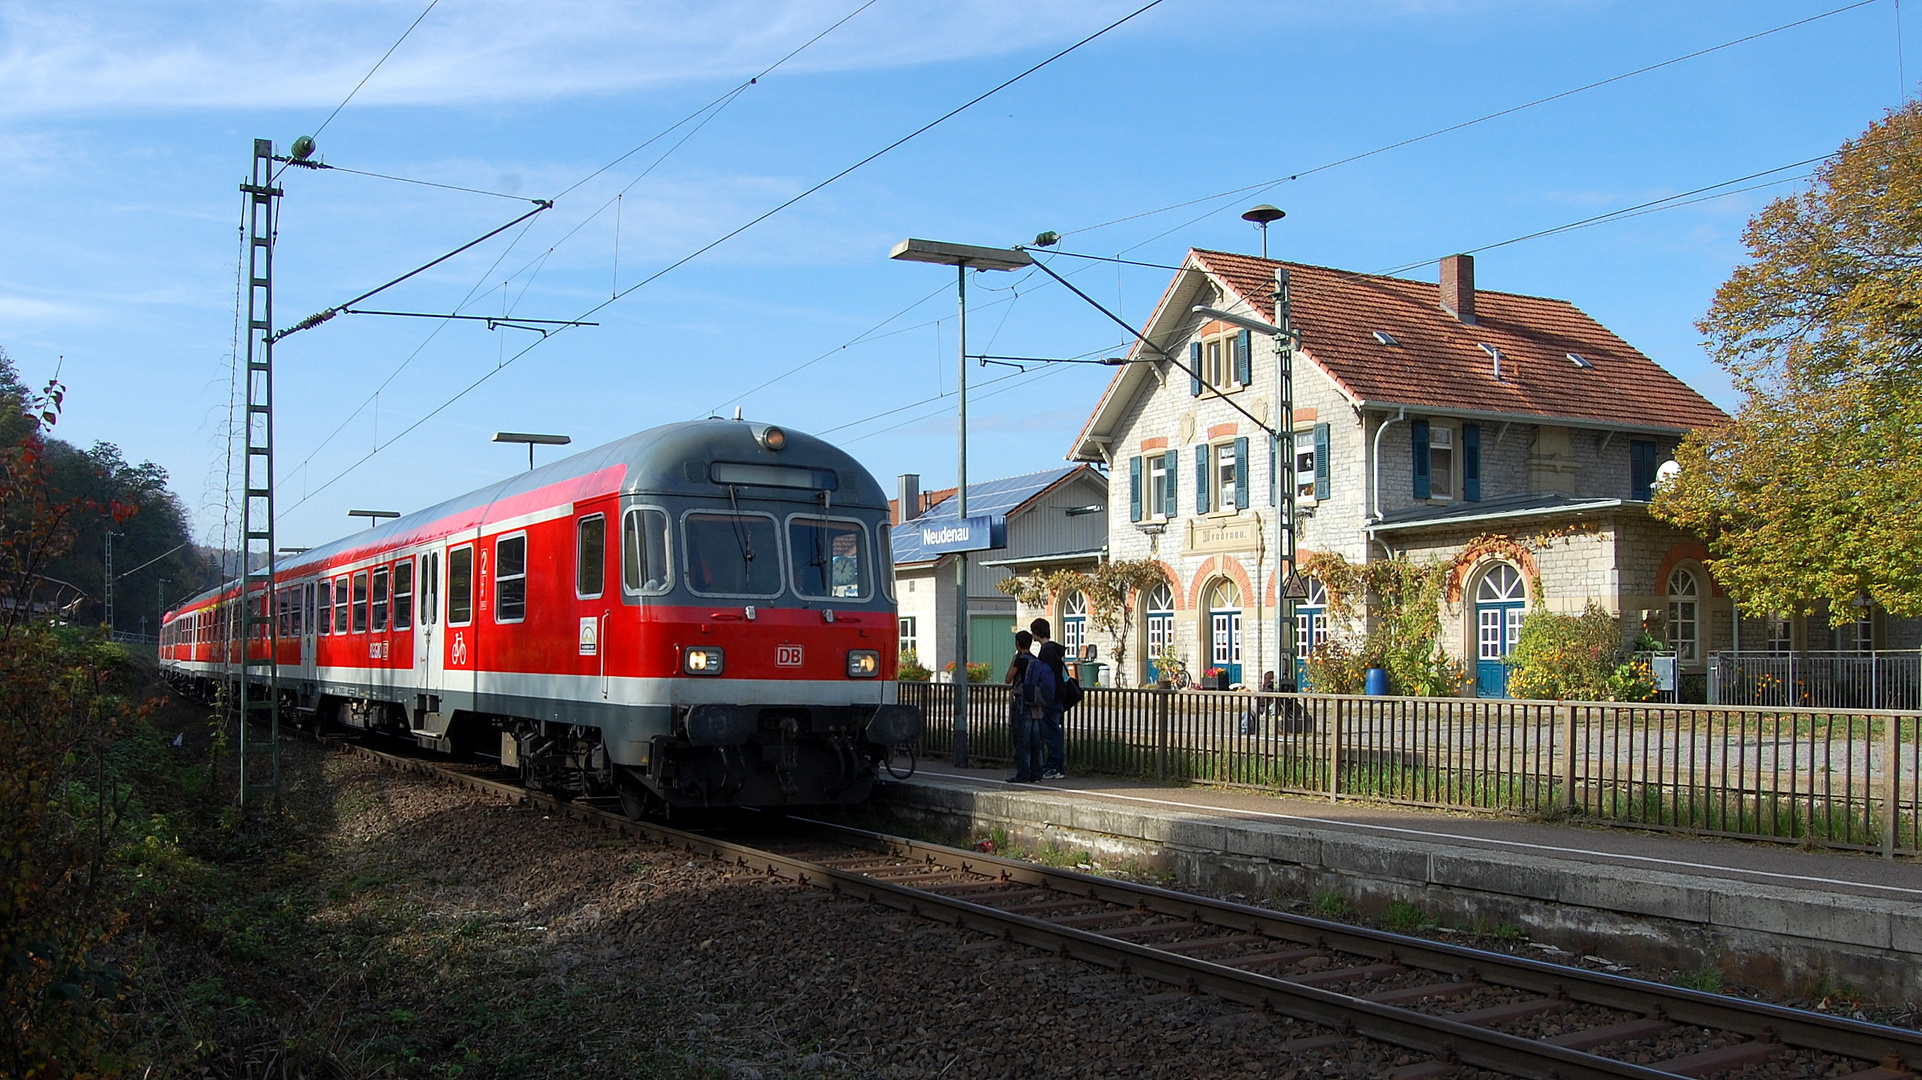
{"x":1404,"y":636}
{"x":1111,"y":589}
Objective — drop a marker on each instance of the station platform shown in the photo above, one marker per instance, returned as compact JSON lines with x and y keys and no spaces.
{"x":1773,"y":916}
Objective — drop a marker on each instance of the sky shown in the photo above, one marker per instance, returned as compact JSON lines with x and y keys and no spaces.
{"x":126,"y":127}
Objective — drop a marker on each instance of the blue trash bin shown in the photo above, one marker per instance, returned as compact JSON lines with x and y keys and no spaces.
{"x":1377,"y":682}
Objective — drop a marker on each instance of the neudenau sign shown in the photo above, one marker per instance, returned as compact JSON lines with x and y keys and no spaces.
{"x":978,"y":533}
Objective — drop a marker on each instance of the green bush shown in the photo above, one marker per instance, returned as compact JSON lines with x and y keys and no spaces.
{"x":1575,"y":658}
{"x":1336,"y":667}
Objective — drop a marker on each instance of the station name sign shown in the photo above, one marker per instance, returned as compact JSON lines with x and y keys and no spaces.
{"x":978,"y":533}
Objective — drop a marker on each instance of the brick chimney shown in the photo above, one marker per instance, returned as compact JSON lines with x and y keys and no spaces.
{"x":909,"y":499}
{"x":1458,"y":287}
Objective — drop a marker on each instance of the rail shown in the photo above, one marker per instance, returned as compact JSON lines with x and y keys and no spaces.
{"x":1829,"y":777}
{"x":1405,"y":991}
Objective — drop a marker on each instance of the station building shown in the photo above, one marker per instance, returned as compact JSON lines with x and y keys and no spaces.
{"x":1432,"y":421}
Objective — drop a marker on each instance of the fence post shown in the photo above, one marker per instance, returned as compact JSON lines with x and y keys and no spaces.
{"x":1891,"y":785}
{"x":1334,"y":749}
{"x":1568,"y":755}
{"x":1162,"y":698}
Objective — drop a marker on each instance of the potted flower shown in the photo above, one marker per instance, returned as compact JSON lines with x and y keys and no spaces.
{"x":1165,"y":664}
{"x":1214,"y":679}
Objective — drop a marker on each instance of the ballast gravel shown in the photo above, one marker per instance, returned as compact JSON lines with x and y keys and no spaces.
{"x":528,"y":945}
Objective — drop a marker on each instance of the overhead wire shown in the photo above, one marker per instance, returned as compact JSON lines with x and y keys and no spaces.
{"x":370,"y":71}
{"x":738,"y":230}
{"x":1482,"y":119}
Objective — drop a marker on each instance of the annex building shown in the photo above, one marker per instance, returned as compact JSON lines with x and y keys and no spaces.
{"x":1432,"y":421}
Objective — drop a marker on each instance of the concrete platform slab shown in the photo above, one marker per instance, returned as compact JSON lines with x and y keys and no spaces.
{"x":1777,"y":917}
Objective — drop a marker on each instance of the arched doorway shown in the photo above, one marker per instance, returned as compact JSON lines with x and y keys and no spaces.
{"x":1501,"y":600}
{"x":1158,"y":626}
{"x":1311,"y":626}
{"x":1074,"y":623}
{"x":1224,"y":629}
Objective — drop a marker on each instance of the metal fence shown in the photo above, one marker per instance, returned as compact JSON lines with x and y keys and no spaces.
{"x":1822,"y":777}
{"x":1823,"y":680}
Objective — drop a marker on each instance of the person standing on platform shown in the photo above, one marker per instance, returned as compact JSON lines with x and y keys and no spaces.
{"x":1024,"y":731}
{"x":1049,"y":652}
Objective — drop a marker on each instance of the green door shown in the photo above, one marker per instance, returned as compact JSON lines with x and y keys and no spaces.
{"x":991,"y":641}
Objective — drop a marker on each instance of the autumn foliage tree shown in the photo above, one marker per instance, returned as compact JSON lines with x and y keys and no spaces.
{"x":1814,"y":490}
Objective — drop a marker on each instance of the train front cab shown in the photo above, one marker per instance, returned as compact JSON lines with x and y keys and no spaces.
{"x":767,"y":636}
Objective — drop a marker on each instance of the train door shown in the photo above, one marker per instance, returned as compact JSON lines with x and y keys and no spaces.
{"x":458,"y":652}
{"x":429,"y":664}
{"x":308,"y":654}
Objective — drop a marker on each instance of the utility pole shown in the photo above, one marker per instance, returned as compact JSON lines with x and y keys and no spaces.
{"x":107,"y":589}
{"x":160,"y":602}
{"x":259,"y":686}
{"x":1291,"y":585}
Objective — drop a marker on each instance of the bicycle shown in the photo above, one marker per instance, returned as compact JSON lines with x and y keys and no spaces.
{"x":1175,"y":672}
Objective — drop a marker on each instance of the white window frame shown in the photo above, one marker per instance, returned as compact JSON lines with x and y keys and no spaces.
{"x":1156,"y":510}
{"x":580,"y":534}
{"x":909,"y":640}
{"x":787,"y":541}
{"x":667,"y":541}
{"x":1304,"y":478}
{"x":1443,"y":459}
{"x":1684,"y":615}
{"x":501,"y":579}
{"x":780,"y":552}
{"x":1221,"y":494}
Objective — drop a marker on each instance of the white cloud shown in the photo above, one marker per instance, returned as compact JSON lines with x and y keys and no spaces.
{"x":18,"y":310}
{"x":125,"y":54}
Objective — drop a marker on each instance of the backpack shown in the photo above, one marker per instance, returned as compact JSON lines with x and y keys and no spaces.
{"x":1070,"y":693}
{"x":1038,"y":686}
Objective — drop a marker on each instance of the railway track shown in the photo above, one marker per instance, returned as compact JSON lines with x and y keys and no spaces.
{"x":1459,"y":1006}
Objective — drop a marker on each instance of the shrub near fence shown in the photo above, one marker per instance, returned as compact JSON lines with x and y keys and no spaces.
{"x":1821,"y":777}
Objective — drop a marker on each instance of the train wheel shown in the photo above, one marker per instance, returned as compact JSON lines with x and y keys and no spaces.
{"x":637,"y":802}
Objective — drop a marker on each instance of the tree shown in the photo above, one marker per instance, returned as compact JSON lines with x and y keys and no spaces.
{"x":1810,"y":493}
{"x":1111,"y":590}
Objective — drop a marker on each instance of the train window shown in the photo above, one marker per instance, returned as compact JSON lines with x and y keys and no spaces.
{"x":340,"y":605}
{"x":460,"y":586}
{"x":307,"y":598}
{"x":830,"y":558}
{"x":404,"y":594}
{"x":430,"y":588}
{"x":644,"y":565}
{"x":733,"y":554}
{"x":510,"y":578}
{"x":590,"y":557}
{"x":283,"y":608}
{"x":325,"y":623}
{"x":360,"y":602}
{"x":380,"y":599}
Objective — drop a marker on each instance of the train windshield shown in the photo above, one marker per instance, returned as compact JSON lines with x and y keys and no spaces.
{"x":830,"y":559}
{"x":733,"y":554}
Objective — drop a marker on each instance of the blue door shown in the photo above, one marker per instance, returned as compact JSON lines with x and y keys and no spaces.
{"x":1501,"y":600}
{"x":1311,"y":627}
{"x":1224,"y":630}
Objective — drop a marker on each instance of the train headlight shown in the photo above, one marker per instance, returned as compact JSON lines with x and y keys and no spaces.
{"x":773,"y":438}
{"x":701,"y":661}
{"x":863,"y":663}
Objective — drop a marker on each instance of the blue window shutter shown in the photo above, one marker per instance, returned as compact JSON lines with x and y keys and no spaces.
{"x":1194,"y":369}
{"x":1170,"y":503}
{"x":1134,"y":489}
{"x":1418,"y":438}
{"x":1244,"y":362}
{"x":1641,"y":469}
{"x":1274,"y":471}
{"x":1201,"y":478}
{"x":1323,"y":480}
{"x":1241,"y":474}
{"x":1472,"y":462}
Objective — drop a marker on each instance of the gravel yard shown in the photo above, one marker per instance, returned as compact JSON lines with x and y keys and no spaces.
{"x":453,"y":935}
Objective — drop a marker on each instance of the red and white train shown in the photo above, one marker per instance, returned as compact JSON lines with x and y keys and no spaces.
{"x":697,"y":615}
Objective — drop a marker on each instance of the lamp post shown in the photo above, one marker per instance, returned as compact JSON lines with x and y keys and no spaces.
{"x":961,"y":257}
{"x":374,"y":517}
{"x":1292,"y":588}
{"x":532,"y":441}
{"x":160,"y":601}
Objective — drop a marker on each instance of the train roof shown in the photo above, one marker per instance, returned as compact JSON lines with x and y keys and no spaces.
{"x":656,"y":461}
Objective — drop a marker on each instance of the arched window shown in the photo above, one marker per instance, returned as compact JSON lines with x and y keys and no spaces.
{"x":1074,"y":622}
{"x":1224,"y":628}
{"x":1311,"y":619}
{"x":1684,"y":616}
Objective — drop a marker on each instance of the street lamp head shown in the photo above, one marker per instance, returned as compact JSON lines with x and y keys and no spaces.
{"x":1263,"y":214}
{"x":1246,"y":322}
{"x":968,"y":255}
{"x":523,"y":437}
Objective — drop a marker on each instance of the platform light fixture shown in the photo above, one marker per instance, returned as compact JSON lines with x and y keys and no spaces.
{"x":374,"y":517}
{"x":532,"y":441}
{"x":963,"y":257}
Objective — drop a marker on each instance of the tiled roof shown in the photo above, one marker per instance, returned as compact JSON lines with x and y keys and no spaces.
{"x":1438,"y":361}
{"x":996,"y":497}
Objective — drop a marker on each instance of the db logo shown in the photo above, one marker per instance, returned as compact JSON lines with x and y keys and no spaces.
{"x":787,"y":656}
